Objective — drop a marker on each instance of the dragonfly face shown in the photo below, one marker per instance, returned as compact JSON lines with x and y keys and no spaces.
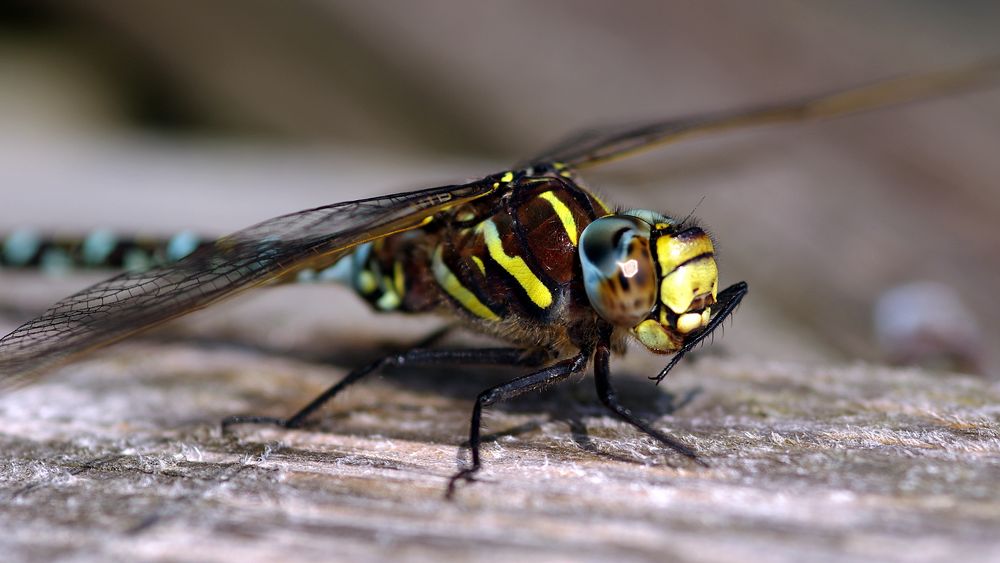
{"x":646,"y":272}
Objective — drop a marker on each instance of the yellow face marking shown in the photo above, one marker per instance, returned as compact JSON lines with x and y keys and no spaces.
{"x":688,"y":322}
{"x":652,"y":335}
{"x":564,"y":214}
{"x":681,"y":286}
{"x":515,"y":266}
{"x":479,"y":264}
{"x":453,"y":287}
{"x":507,"y":177}
{"x":398,"y":278}
{"x":672,"y":252}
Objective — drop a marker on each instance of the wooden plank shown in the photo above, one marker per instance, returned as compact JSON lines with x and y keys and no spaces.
{"x":121,"y":458}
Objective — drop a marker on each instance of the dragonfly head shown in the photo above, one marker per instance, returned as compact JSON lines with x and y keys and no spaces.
{"x":645,"y":272}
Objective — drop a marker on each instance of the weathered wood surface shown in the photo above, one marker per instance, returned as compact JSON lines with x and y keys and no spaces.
{"x":121,"y":458}
{"x":812,"y":455}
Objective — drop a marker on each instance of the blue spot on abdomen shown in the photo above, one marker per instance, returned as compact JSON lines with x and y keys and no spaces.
{"x":97,"y":247}
{"x":182,"y":244}
{"x":20,"y":247}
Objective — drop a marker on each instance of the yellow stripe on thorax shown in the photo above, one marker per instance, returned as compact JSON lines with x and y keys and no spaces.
{"x":389,"y":301}
{"x":453,"y":287}
{"x":604,"y":208}
{"x":479,"y":264}
{"x":514,"y":265}
{"x":564,"y":214}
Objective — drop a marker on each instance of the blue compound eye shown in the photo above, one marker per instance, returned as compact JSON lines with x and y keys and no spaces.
{"x":618,"y":270}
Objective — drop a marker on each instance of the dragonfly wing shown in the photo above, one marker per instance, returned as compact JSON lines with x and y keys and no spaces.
{"x":601,"y":145}
{"x":135,"y":301}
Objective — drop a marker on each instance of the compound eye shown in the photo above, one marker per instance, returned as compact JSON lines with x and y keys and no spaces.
{"x":618,"y":270}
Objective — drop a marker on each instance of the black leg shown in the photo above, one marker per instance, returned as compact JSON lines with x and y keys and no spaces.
{"x":531,"y":382}
{"x":729,"y":299}
{"x":487,"y":356}
{"x":606,"y":392}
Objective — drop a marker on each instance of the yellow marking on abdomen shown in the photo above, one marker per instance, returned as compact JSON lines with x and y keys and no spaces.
{"x":453,"y":287}
{"x":515,"y":266}
{"x":564,"y":214}
{"x":389,"y":301}
{"x":367,"y":282}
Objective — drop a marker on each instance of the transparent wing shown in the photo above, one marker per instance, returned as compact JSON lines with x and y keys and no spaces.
{"x":601,"y":145}
{"x":134,"y":301}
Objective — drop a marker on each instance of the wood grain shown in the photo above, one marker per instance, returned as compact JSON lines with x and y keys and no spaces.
{"x":121,"y":457}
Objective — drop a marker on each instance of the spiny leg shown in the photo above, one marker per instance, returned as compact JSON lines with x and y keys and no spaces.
{"x":729,"y":299}
{"x":417,"y":356}
{"x":608,"y":396}
{"x":531,"y":382}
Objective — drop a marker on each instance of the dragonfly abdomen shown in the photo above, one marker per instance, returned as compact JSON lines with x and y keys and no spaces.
{"x":98,"y":250}
{"x":391,"y":273}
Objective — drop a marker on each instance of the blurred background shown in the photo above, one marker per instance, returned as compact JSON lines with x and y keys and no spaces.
{"x":160,"y":116}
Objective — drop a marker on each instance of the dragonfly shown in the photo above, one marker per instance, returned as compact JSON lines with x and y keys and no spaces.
{"x":528,"y":255}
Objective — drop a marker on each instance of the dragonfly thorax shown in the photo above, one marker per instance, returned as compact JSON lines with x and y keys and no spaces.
{"x":644,"y":271}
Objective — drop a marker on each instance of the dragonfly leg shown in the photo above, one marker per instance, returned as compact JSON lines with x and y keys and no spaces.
{"x":608,"y":396}
{"x":416,"y":356}
{"x":532,"y":382}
